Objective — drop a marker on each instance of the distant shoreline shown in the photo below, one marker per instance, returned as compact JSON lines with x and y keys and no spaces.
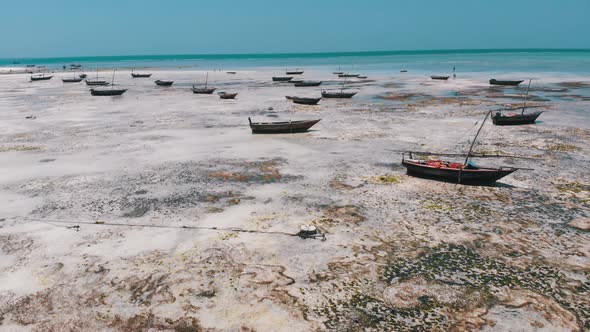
{"x":243,"y":56}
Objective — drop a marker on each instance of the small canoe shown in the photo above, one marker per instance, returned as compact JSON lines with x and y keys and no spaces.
{"x":82,"y":76}
{"x":231,"y":72}
{"x":494,"y":81}
{"x":338,"y":72}
{"x":72,"y":80}
{"x":96,"y":83}
{"x":203,"y":91}
{"x":227,"y":95}
{"x":308,"y":83}
{"x":305,"y":100}
{"x":455,"y":172}
{"x":437,"y":77}
{"x":361,"y":76}
{"x":348,"y":75}
{"x":294,"y":72}
{"x":403,"y":71}
{"x":41,"y":77}
{"x":136,"y":75}
{"x":107,"y":92}
{"x":163,"y":83}
{"x":337,"y":94}
{"x":284,"y":127}
{"x":282,"y":78}
{"x":500,"y":119}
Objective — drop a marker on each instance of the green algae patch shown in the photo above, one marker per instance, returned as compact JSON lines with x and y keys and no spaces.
{"x":562,"y":147}
{"x":386,"y":179}
{"x":20,"y":148}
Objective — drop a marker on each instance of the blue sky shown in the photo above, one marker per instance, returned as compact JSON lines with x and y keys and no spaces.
{"x":51,"y":28}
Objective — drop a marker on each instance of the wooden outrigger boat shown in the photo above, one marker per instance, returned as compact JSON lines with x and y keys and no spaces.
{"x":308,"y":83}
{"x":163,"y":83}
{"x":463,"y":173}
{"x":108,"y":92}
{"x":206,"y":90}
{"x":82,"y":76}
{"x":282,"y":78}
{"x":41,"y":77}
{"x":283,"y":127}
{"x":505,"y":82}
{"x":439,"y":77}
{"x":138,"y":75}
{"x":96,"y":82}
{"x":512,"y":119}
{"x":294,"y":72}
{"x":227,"y":95}
{"x":348,"y":75}
{"x":305,"y":100}
{"x":336,"y":94}
{"x":72,"y":80}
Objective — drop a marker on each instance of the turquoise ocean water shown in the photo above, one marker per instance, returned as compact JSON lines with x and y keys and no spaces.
{"x":565,"y":61}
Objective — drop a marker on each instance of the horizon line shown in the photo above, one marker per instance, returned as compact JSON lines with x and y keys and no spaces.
{"x":317,"y":54}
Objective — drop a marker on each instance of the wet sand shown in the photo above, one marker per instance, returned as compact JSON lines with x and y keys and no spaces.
{"x":155,"y":181}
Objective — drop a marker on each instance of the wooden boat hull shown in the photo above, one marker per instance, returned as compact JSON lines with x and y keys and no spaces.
{"x":326,"y":94}
{"x":286,"y":127}
{"x":337,"y":73}
{"x":97,"y":83}
{"x":82,"y":76}
{"x":304,"y":84}
{"x":505,"y":83}
{"x":281,"y":78}
{"x":203,"y":91}
{"x":348,"y":75}
{"x":41,"y":78}
{"x":442,"y":78}
{"x":71,"y":80}
{"x":517,"y":119}
{"x":164,"y":83}
{"x":140,"y":75}
{"x":480,"y":175}
{"x":226,"y":95}
{"x":296,"y":72}
{"x":306,"y":101}
{"x":107,"y":92}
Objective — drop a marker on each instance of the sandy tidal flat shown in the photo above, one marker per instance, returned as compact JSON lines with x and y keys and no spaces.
{"x":159,"y":210}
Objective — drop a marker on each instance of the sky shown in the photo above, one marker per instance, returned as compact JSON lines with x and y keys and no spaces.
{"x":56,"y":28}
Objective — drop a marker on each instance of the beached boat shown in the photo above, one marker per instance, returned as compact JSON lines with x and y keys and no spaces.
{"x":82,"y":76}
{"x":296,"y":81}
{"x":438,"y":77}
{"x":72,"y":80}
{"x":206,"y":90}
{"x":294,"y":72}
{"x":348,"y":75}
{"x":464,"y":173}
{"x":361,"y":76}
{"x":505,"y":82}
{"x":163,"y":83}
{"x":511,"y":119}
{"x":138,"y":75}
{"x":227,"y":95}
{"x":108,"y":92}
{"x":283,"y":127}
{"x":305,"y":100}
{"x":282,"y":78}
{"x":290,"y":97}
{"x":96,"y":82}
{"x":231,"y":72}
{"x":75,"y":65}
{"x":337,"y":94}
{"x":308,"y":83}
{"x":41,"y":77}
{"x":403,"y":71}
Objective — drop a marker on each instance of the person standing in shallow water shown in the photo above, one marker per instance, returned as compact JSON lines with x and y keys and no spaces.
{"x":454,"y":75}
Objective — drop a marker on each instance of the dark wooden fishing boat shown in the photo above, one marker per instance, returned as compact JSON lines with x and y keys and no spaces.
{"x":282,"y":78}
{"x":206,"y":90}
{"x":136,"y":75}
{"x":107,"y":92}
{"x":41,"y":77}
{"x":163,"y":83}
{"x":284,"y":127}
{"x":295,"y":81}
{"x":501,"y":119}
{"x":96,"y":83}
{"x":361,"y":76}
{"x":337,"y":72}
{"x":82,"y":76}
{"x":464,"y":173}
{"x":512,"y":119}
{"x":505,"y":82}
{"x":290,"y":97}
{"x":75,"y":66}
{"x":348,"y":75}
{"x":72,"y":80}
{"x":227,"y":95}
{"x":337,"y":94}
{"x":231,"y":72}
{"x":308,"y":83}
{"x":403,"y":71}
{"x":438,"y":77}
{"x":305,"y":100}
{"x":294,"y":72}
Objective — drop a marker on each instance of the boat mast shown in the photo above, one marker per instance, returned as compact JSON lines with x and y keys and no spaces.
{"x":113,"y":80}
{"x":475,"y":138}
{"x":206,"y":80}
{"x":525,"y":96}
